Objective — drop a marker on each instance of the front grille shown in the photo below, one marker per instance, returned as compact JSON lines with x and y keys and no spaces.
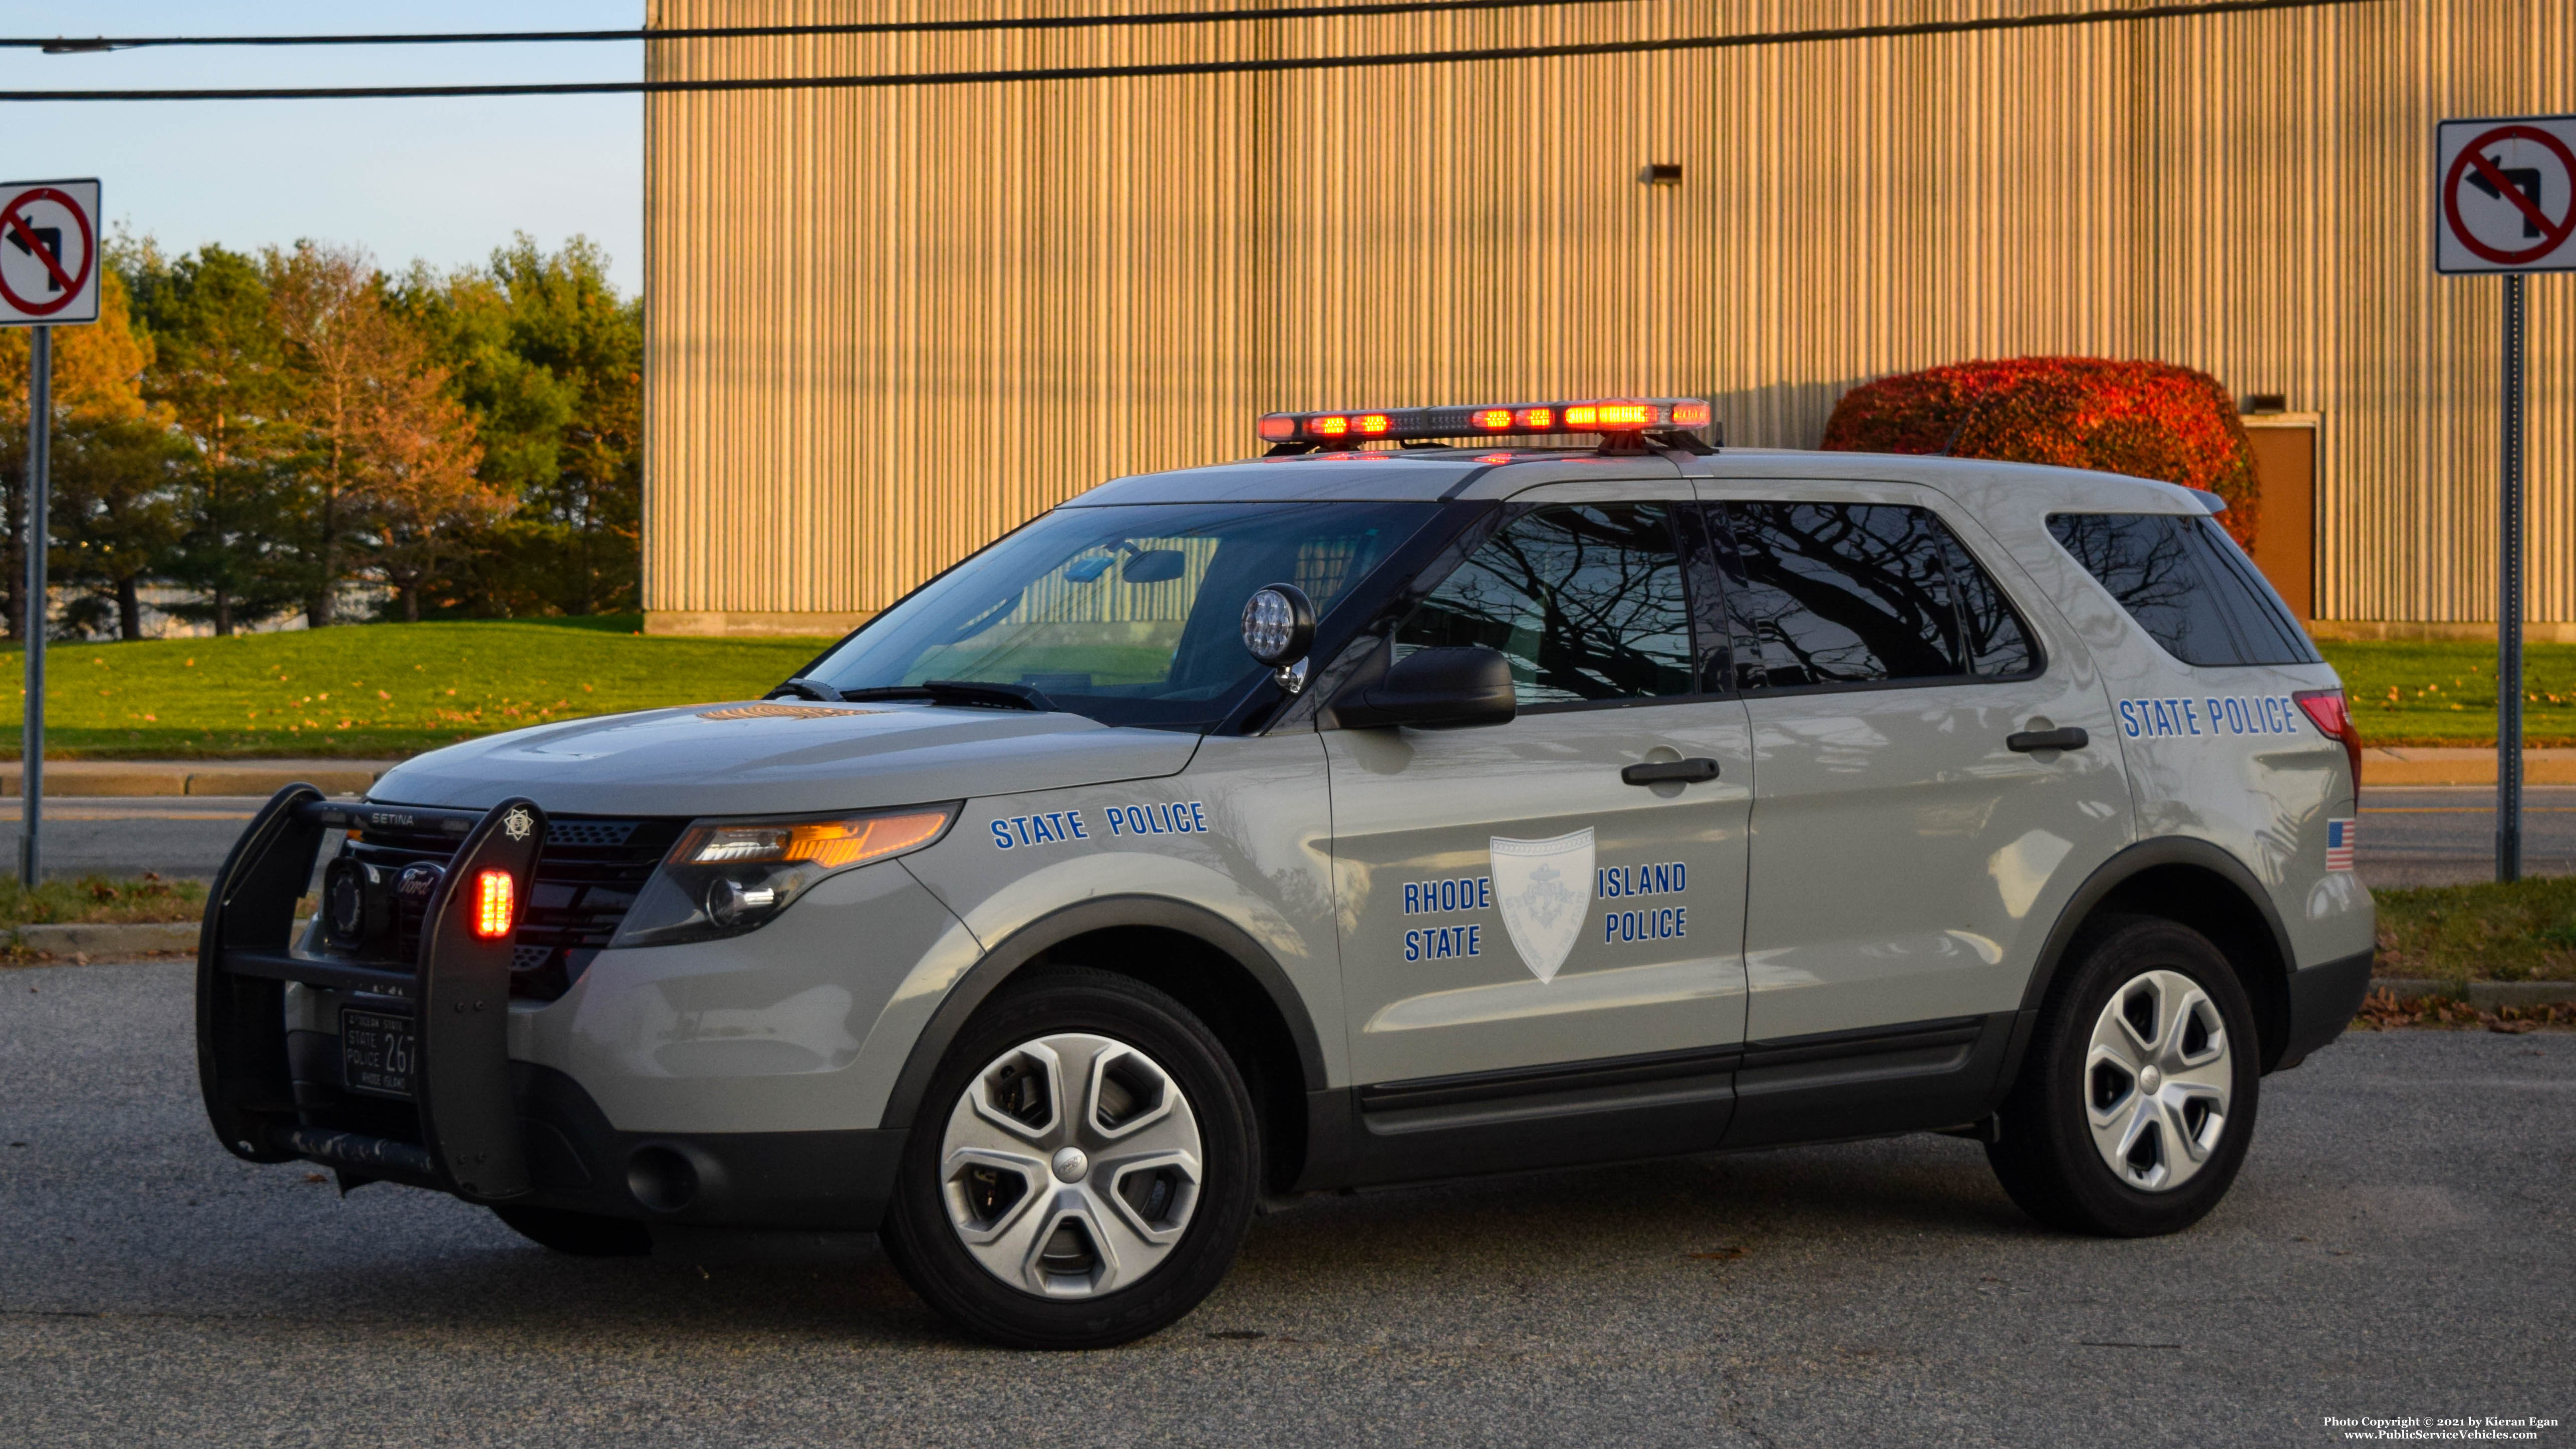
{"x":587,"y":877}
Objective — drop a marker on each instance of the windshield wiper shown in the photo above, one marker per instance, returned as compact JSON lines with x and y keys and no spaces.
{"x":803,"y":688}
{"x":965,"y":692}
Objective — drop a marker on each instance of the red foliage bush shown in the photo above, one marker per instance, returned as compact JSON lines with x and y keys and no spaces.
{"x":2145,"y":419}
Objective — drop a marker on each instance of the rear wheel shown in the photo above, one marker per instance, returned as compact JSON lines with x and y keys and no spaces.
{"x":2136,"y":1104}
{"x":1081,"y":1173}
{"x":584,"y":1235}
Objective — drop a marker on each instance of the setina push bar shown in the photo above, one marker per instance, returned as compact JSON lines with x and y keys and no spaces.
{"x":457,"y":990}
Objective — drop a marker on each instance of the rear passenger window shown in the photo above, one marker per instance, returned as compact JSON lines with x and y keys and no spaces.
{"x":1862,"y":593}
{"x":2187,"y":584}
{"x":1586,"y":601}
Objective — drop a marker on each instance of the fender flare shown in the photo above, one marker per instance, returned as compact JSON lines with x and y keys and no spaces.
{"x":1003,"y":960}
{"x":2137,"y":859}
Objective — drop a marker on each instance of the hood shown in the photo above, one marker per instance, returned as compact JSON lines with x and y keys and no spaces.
{"x":775,"y":758}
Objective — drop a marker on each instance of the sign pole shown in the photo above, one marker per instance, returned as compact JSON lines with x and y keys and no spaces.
{"x":40,"y":428}
{"x":2504,"y":202}
{"x":2508,"y":840}
{"x":49,"y":277}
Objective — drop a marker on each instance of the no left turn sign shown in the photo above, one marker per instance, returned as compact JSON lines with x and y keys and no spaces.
{"x":48,"y":252}
{"x":2504,"y":195}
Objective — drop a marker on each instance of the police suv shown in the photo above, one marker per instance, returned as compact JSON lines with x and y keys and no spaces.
{"x":1349,"y":816}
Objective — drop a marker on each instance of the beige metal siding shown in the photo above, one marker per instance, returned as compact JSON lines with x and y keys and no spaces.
{"x":885,"y":325}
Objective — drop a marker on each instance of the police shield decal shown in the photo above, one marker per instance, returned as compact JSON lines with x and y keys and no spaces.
{"x":1543,"y":889}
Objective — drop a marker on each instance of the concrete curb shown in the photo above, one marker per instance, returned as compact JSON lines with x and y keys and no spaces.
{"x":198,"y":777}
{"x":2485,"y":995}
{"x":107,"y":940}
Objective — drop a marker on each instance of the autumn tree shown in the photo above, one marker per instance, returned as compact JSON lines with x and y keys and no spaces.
{"x":428,"y":502}
{"x":382,"y":443}
{"x":108,"y":454}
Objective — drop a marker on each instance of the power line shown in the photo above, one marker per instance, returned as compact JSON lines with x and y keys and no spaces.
{"x":1265,"y":66}
{"x":70,"y":45}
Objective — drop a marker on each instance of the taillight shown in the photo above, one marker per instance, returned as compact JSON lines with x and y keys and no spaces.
{"x":2333,"y":719}
{"x":496,"y":899}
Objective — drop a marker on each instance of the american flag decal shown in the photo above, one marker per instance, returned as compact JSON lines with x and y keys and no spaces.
{"x":2339,"y":844}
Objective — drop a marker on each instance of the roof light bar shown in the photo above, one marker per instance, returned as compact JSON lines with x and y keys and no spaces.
{"x":1596,"y":415}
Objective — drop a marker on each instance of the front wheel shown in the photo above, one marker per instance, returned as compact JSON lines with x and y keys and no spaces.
{"x":1082,"y":1170}
{"x":2136,"y":1104}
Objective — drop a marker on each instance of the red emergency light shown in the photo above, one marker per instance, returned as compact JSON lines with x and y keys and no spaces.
{"x":495,"y":903}
{"x":1609,"y":416}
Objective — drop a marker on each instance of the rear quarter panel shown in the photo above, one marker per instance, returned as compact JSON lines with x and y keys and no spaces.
{"x":2220,"y":755}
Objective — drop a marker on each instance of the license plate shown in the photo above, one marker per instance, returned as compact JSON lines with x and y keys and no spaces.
{"x":376,"y":1053}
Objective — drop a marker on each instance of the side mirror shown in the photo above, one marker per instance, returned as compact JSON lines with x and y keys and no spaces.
{"x":1435,"y":689}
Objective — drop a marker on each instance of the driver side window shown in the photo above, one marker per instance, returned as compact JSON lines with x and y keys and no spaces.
{"x":1585,"y":600}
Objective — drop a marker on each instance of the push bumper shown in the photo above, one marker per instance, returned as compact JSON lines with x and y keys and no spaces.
{"x":474,"y":1123}
{"x":2323,"y":999}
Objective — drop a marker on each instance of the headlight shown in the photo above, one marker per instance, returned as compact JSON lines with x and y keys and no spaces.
{"x":725,"y":877}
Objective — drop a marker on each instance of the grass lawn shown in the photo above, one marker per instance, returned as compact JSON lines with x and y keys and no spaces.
{"x":373,"y":690}
{"x":2437,"y":693}
{"x":2525,"y":931}
{"x":97,"y":900}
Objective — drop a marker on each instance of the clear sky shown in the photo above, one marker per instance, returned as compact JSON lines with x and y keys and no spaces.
{"x":444,"y":181}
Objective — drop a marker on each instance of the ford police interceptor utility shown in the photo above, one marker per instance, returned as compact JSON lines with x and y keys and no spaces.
{"x":1344,"y":817}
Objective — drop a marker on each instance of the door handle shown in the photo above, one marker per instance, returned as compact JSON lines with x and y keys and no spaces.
{"x":2069,"y":738}
{"x":1687,"y":772}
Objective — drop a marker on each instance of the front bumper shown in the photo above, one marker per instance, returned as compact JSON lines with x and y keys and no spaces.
{"x":476,"y":1123}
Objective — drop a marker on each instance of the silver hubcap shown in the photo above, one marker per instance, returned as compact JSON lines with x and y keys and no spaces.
{"x":2157,"y":1081}
{"x":1071,"y":1166}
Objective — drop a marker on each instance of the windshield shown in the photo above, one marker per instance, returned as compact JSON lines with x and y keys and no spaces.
{"x":1129,"y":614}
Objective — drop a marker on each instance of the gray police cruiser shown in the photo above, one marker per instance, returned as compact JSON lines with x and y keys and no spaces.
{"x":1350,"y":816}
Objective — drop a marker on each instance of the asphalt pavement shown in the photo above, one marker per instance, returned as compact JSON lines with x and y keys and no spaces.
{"x":2424,"y":835}
{"x":176,"y":836}
{"x":2445,"y":834}
{"x":2399,"y":1244}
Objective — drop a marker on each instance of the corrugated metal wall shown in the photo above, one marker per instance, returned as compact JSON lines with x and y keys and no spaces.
{"x":885,"y":325}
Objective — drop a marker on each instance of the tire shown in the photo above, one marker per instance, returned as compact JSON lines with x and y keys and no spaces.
{"x":1141,"y":1095}
{"x":2112,"y":1131}
{"x":584,"y":1235}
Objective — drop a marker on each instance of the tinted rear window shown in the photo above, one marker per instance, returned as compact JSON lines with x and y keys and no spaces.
{"x":2187,"y":584}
